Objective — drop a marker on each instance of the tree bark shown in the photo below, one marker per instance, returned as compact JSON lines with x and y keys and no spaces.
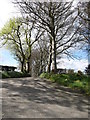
{"x":54,"y":66}
{"x":52,"y":36}
{"x":22,"y":66}
{"x":28,"y":67}
{"x":41,"y":62}
{"x":50,"y":57}
{"x":88,"y":7}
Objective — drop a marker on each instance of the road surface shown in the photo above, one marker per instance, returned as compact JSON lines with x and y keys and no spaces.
{"x":38,"y":98}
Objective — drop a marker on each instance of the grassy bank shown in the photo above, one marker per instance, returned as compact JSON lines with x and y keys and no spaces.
{"x":74,"y":81}
{"x":13,"y":74}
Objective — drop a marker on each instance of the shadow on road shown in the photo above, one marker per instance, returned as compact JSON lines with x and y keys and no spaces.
{"x":41,"y":91}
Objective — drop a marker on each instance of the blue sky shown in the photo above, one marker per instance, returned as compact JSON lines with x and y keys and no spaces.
{"x":6,"y":58}
{"x":76,"y":64}
{"x":7,"y":11}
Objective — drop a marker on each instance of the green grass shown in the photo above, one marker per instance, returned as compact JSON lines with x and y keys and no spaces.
{"x":74,"y":81}
{"x":13,"y":74}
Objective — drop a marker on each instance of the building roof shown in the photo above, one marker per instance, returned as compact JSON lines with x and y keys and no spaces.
{"x":5,"y":66}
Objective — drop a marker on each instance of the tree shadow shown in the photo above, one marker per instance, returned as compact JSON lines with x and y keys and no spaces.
{"x":42,"y":92}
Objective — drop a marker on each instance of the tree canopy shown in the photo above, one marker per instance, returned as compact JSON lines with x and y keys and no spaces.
{"x":60,"y":25}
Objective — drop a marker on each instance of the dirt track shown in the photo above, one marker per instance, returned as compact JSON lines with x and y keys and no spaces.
{"x":39,"y":98}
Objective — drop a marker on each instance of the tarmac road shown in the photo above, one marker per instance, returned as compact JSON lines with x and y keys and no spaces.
{"x":39,"y":98}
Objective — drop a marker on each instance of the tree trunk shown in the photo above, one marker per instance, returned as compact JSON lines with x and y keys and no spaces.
{"x":28,"y":67}
{"x":54,"y":66}
{"x":50,"y":57}
{"x":88,"y":7}
{"x":22,"y":66}
{"x":52,"y":36}
{"x":29,"y":60}
{"x":41,"y":63}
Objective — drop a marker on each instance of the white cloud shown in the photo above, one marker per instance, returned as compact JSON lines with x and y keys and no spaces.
{"x":73,"y":64}
{"x":7,"y":10}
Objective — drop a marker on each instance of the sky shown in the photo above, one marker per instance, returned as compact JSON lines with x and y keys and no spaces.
{"x":7,"y":11}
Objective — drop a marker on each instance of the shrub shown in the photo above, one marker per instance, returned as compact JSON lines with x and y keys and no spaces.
{"x":75,"y":80}
{"x":78,"y":84}
{"x":80,"y":72}
{"x":73,"y":77}
{"x":14,"y":74}
{"x":45,"y":75}
{"x":5,"y":75}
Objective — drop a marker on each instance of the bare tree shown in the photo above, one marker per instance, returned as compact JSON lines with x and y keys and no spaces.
{"x":84,"y":20}
{"x":39,"y":57}
{"x":31,"y":30}
{"x":57,"y":19}
{"x":10,"y":35}
{"x":17,"y":35}
{"x":61,"y":22}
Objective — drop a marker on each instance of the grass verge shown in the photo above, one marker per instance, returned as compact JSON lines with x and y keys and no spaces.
{"x":74,"y":81}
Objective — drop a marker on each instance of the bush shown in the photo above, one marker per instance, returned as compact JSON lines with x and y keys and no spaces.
{"x":5,"y":75}
{"x":80,"y":72}
{"x":61,"y":78}
{"x":75,"y":80}
{"x":46,"y":75}
{"x":77,"y":84}
{"x":14,"y":74}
